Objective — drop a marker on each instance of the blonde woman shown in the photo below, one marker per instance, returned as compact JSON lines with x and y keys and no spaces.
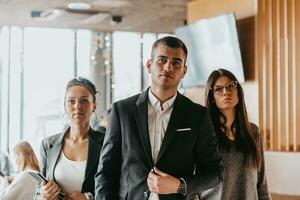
{"x":23,"y":185}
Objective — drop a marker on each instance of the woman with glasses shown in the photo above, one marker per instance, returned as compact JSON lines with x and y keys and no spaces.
{"x":240,"y":141}
{"x":69,"y":160}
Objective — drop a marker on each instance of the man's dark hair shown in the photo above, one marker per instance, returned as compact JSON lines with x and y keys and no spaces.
{"x":85,"y":83}
{"x":171,"y":42}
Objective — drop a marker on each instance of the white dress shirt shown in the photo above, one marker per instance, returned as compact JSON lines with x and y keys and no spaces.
{"x":158,"y":120}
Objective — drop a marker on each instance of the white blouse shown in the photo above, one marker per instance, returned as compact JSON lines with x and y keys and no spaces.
{"x":69,"y":174}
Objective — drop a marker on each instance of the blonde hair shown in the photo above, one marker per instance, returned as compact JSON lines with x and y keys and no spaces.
{"x":25,"y":150}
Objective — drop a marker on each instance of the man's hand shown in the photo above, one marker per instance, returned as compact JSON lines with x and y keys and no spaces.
{"x":76,"y":196}
{"x":162,"y":183}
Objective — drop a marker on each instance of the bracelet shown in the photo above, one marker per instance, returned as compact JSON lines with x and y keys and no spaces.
{"x":182,"y":189}
{"x":89,"y":196}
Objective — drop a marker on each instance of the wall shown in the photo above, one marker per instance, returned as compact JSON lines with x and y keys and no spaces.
{"x":283,"y":172}
{"x":199,"y":9}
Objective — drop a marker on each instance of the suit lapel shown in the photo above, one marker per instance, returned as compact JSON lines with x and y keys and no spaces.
{"x":54,"y":153}
{"x":141,"y":117}
{"x":93,"y":154}
{"x":177,"y":116}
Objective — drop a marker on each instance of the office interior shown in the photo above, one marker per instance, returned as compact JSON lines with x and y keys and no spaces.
{"x":43,"y":44}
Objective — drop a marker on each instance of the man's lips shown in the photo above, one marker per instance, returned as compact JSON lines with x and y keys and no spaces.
{"x":167,"y":75}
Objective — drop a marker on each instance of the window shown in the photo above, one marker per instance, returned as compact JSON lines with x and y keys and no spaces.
{"x":126,"y":64}
{"x":35,"y":65}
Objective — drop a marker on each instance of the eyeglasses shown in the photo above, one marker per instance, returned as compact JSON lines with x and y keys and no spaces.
{"x":230,"y":87}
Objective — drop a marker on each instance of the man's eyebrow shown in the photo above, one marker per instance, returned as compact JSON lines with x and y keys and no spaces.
{"x":162,"y":56}
{"x":179,"y":59}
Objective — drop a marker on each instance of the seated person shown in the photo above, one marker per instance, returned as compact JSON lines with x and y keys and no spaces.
{"x":23,"y":186}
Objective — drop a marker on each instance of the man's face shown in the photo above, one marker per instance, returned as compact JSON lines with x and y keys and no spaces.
{"x":167,"y":67}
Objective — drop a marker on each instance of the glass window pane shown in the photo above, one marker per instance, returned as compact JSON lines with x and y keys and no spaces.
{"x":48,"y":65}
{"x":83,"y":52}
{"x":4,"y":71}
{"x":126,"y":64}
{"x":15,"y":72}
{"x":148,"y":40}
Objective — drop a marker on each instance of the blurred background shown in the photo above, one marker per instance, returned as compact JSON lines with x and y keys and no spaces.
{"x":43,"y":44}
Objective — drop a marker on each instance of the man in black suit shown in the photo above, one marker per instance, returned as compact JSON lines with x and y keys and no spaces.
{"x":159,"y":144}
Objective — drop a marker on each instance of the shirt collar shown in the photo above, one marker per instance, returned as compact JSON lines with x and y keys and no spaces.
{"x":156,"y":103}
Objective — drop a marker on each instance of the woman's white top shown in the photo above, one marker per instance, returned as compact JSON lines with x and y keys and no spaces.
{"x":23,"y":187}
{"x":69,"y":174}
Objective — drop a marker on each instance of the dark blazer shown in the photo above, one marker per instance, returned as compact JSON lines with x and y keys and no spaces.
{"x":50,"y":151}
{"x":189,"y":150}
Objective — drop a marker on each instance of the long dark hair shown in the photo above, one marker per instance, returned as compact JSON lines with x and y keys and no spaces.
{"x":245,"y":139}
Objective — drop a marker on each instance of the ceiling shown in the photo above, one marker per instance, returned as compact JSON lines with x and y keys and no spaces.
{"x":137,"y":15}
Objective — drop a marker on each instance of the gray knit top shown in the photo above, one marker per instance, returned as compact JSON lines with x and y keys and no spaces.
{"x":240,"y":182}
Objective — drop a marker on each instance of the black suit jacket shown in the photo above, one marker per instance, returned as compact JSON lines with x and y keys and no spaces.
{"x":51,"y":149}
{"x":189,"y":150}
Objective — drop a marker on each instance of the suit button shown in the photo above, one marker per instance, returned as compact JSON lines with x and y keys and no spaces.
{"x":145,"y":194}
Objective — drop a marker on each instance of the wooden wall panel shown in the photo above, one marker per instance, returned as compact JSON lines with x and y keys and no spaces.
{"x":296,"y":71}
{"x":199,"y":9}
{"x":277,"y":47}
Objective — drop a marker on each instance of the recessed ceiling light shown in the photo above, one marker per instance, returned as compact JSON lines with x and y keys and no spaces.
{"x":79,"y":6}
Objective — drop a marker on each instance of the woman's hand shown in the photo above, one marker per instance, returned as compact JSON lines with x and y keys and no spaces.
{"x":50,"y":190}
{"x":76,"y":196}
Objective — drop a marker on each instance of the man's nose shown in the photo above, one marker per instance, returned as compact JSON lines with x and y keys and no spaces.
{"x":168,"y":67}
